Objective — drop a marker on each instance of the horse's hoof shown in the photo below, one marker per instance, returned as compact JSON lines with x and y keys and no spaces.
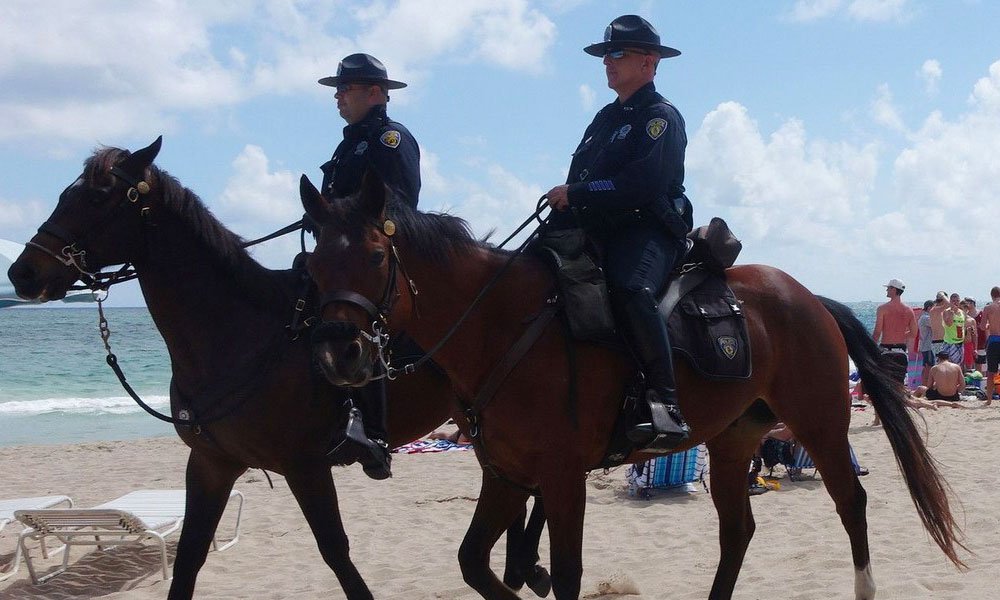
{"x":538,"y":581}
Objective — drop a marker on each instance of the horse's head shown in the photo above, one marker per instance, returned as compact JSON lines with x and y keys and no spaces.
{"x":95,"y":220}
{"x":356,"y":268}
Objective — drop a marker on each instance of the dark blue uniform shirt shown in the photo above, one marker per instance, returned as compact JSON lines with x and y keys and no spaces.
{"x":630,"y":165}
{"x":379,"y":143}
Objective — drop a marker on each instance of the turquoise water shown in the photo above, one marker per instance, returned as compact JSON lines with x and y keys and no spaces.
{"x":55,"y":386}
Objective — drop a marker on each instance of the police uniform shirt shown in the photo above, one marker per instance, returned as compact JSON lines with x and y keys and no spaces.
{"x":631,"y":157}
{"x":379,"y":143}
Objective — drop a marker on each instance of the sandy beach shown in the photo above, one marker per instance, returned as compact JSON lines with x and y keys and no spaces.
{"x":405,"y":532}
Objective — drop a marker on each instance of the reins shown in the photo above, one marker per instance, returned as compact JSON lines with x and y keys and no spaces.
{"x":393,"y":372}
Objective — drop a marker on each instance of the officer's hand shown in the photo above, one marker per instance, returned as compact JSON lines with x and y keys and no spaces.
{"x":558,"y":197}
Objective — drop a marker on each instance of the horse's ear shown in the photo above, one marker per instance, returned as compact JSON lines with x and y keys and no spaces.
{"x":312,"y":201}
{"x":374,"y":194}
{"x":140,"y":160}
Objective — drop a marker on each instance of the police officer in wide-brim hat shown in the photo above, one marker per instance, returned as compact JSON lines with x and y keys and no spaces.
{"x":631,"y":31}
{"x":362,"y":68}
{"x":372,"y":142}
{"x":625,"y":188}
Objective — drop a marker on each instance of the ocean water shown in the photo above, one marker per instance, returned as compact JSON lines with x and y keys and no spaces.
{"x":56,"y":386}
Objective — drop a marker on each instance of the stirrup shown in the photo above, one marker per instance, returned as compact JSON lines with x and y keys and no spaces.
{"x":375,"y":460}
{"x":666,"y":431}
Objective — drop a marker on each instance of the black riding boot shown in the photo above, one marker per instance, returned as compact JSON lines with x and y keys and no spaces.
{"x":368,"y":435}
{"x":665,"y":429}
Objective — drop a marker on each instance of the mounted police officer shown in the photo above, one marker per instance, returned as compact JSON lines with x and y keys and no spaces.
{"x":371,"y":141}
{"x":625,"y":188}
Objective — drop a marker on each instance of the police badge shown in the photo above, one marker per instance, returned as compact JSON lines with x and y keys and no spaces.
{"x":390,"y":138}
{"x":656,"y":127}
{"x":728,"y":345}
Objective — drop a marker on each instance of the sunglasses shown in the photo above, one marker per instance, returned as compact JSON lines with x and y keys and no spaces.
{"x":620,"y":54}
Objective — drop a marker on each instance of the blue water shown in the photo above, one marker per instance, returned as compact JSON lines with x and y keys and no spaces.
{"x":55,"y":386}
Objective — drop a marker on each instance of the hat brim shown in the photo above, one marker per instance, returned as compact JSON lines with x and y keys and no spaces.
{"x":601,"y":48}
{"x":389,"y":84}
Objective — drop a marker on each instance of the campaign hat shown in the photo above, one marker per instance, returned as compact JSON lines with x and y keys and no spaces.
{"x":362,"y":68}
{"x":631,"y":31}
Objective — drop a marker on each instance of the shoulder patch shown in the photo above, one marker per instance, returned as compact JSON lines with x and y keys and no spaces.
{"x":656,"y":127}
{"x":390,"y":138}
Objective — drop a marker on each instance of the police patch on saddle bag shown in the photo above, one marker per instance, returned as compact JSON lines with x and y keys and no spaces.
{"x":581,"y":284}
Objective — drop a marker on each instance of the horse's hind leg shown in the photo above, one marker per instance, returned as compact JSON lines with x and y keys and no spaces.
{"x":317,"y":497}
{"x":731,"y":452}
{"x":208,"y":481}
{"x":499,"y":504}
{"x":830,"y":450}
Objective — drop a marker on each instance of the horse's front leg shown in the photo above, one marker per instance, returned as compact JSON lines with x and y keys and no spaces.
{"x":499,"y":505}
{"x":565,"y":493}
{"x":313,"y":488}
{"x":209,"y":480}
{"x":522,"y":553}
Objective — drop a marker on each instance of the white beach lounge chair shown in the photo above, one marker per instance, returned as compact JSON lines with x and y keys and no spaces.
{"x":7,"y":508}
{"x":129,"y":520}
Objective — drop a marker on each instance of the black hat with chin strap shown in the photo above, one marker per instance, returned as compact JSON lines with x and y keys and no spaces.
{"x":631,"y":31}
{"x":362,"y":68}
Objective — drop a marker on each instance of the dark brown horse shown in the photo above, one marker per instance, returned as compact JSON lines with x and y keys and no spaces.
{"x":532,"y":438}
{"x":235,"y":368}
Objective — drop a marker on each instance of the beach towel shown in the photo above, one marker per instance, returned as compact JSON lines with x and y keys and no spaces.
{"x":424,"y":446}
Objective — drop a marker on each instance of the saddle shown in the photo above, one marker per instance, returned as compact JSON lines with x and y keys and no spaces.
{"x":703,"y":315}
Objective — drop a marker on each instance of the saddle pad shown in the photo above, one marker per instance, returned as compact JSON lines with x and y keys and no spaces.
{"x":708,"y":328}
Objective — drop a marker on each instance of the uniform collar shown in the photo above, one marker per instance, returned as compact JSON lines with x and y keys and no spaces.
{"x":642,"y":97}
{"x":375,"y":117}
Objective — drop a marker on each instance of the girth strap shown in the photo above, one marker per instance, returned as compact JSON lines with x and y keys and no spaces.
{"x":679,"y":287}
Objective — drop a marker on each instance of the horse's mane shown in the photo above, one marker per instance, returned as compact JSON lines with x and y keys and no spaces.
{"x":225,"y":248}
{"x":436,"y":236}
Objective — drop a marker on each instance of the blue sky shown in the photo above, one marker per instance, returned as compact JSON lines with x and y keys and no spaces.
{"x":845,"y":141}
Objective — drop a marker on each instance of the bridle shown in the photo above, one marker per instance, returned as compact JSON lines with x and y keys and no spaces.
{"x":73,"y":253}
{"x":379,"y":313}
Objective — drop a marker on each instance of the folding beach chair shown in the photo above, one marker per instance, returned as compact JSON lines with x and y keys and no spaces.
{"x":7,"y":508}
{"x":126,"y":521}
{"x":801,"y":461}
{"x":668,"y":471}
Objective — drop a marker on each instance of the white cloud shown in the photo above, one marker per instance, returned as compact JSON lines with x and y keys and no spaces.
{"x":256,"y":195}
{"x":945,"y":180}
{"x":812,"y":10}
{"x":588,"y":97}
{"x":136,"y":68}
{"x":931,"y":73}
{"x":884,"y":111}
{"x":783,"y":188}
{"x":878,"y":10}
{"x":857,"y":10}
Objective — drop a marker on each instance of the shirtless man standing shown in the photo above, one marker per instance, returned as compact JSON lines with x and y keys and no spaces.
{"x":991,"y":323}
{"x":895,"y":325}
{"x":937,"y":321}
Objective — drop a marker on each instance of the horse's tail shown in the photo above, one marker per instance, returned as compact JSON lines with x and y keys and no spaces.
{"x":881,"y":379}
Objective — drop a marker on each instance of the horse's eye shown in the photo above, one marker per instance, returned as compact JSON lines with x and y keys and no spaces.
{"x":99,"y":194}
{"x":378,"y":257}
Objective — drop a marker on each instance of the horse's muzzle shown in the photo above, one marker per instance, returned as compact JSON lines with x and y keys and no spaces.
{"x":30,"y":284}
{"x":342,"y":353}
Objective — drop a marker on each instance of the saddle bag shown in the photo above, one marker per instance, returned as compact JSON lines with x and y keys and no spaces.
{"x":708,"y":328}
{"x":581,"y":284}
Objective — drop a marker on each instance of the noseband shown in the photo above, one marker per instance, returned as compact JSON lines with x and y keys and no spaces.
{"x":72,"y":253}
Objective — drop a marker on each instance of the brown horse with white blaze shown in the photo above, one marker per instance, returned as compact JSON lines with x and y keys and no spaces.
{"x":531,"y":435}
{"x":254,"y":392}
